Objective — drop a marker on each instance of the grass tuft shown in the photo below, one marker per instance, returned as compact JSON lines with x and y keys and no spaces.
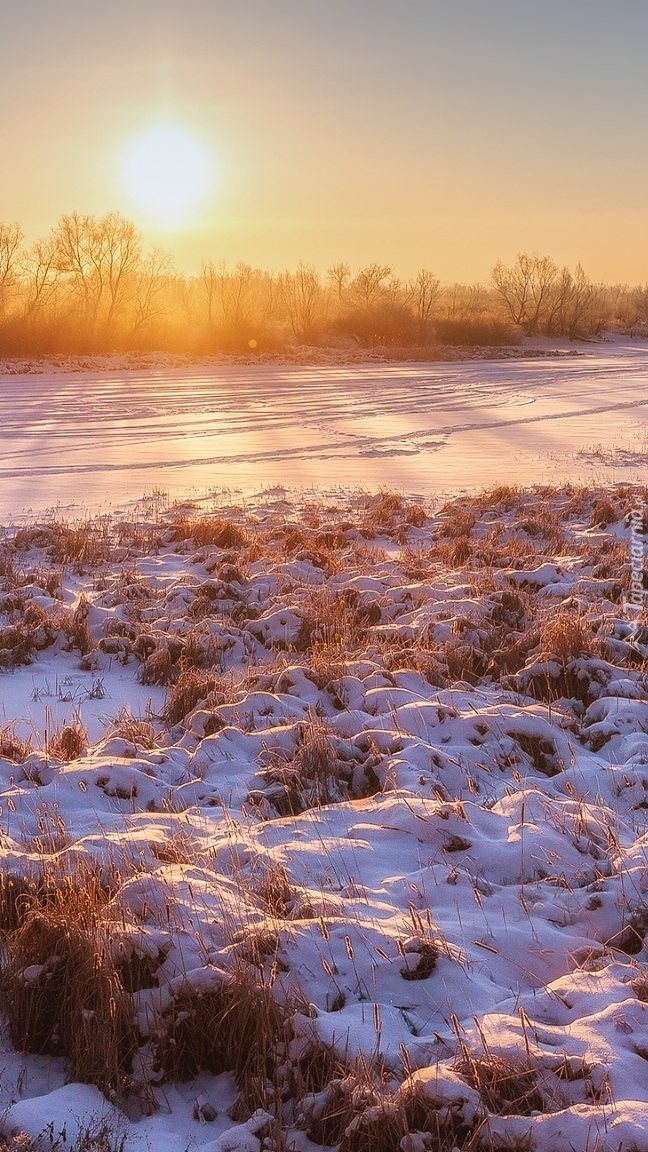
{"x":67,"y":742}
{"x":507,"y":1085}
{"x":14,"y":748}
{"x":62,"y":992}
{"x":233,"y":1028}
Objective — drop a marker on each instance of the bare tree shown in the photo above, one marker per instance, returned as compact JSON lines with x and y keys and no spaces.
{"x":209,"y":280}
{"x":640,"y":302}
{"x":97,"y":256}
{"x":628,"y":305}
{"x":239,"y":301}
{"x":526,"y":288}
{"x":304,"y":301}
{"x":88,"y":285}
{"x":368,"y":284}
{"x":122,"y":256}
{"x":424,"y":292}
{"x":151,"y":286}
{"x":339,"y":274}
{"x":451,"y":299}
{"x":11,"y":237}
{"x":379,"y":310}
{"x":236,"y":290}
{"x":579,"y":308}
{"x":40,"y":277}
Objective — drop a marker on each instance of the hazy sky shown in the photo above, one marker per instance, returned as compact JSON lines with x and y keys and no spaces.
{"x":436,"y":133}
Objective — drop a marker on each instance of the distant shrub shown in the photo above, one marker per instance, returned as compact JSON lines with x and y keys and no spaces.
{"x":476,"y":333}
{"x":383,"y":324}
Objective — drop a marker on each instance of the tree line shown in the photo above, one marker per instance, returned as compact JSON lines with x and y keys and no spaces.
{"x":89,"y":286}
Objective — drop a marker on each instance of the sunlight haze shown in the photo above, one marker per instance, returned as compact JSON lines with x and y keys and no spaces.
{"x":167,"y":174}
{"x":419,"y":133}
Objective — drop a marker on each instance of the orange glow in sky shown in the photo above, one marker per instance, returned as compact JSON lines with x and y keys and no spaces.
{"x":418,"y":133}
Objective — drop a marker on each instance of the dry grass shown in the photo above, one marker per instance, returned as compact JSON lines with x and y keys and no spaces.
{"x":62,"y":992}
{"x":16,"y":646}
{"x":13,"y":747}
{"x":234,"y":1028}
{"x":18,"y":895}
{"x":415,"y":515}
{"x":389,"y":513}
{"x":208,"y":531}
{"x":360,"y":1112}
{"x":343,"y":1099}
{"x":454,"y":552}
{"x":193,"y":686}
{"x":329,"y":621}
{"x":507,"y":1085}
{"x":37,"y":629}
{"x":52,"y":834}
{"x":504,"y":497}
{"x":313,"y":776}
{"x":332,"y":631}
{"x":97,"y":1137}
{"x":273,"y":887}
{"x":566,"y":636}
{"x":79,"y":635}
{"x":458,"y":522}
{"x":86,"y":544}
{"x":65,"y":741}
{"x":137,"y":730}
{"x":159,"y":668}
{"x":604,"y":512}
{"x":67,"y":994}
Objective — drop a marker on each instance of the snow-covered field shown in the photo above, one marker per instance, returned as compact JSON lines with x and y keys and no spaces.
{"x":108,"y":431}
{"x":352,"y":793}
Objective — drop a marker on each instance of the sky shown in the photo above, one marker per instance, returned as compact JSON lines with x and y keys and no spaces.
{"x":442,"y":134}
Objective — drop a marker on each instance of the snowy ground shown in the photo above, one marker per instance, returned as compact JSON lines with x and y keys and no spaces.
{"x":102,"y":433}
{"x":385,"y":762}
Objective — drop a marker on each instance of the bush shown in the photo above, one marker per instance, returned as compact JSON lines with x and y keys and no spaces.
{"x":476,"y":333}
{"x":383,"y":324}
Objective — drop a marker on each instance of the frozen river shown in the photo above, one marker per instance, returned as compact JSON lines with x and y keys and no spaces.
{"x":98,"y":438}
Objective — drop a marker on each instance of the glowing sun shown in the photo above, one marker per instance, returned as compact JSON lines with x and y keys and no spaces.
{"x":168,"y":174}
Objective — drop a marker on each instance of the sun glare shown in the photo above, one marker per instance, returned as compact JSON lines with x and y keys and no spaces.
{"x":168,"y":174}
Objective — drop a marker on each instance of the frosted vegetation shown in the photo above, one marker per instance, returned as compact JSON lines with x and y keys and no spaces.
{"x":89,"y":287}
{"x":324,"y":824}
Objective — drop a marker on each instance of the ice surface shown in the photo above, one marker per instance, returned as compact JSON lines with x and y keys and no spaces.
{"x":98,"y":436}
